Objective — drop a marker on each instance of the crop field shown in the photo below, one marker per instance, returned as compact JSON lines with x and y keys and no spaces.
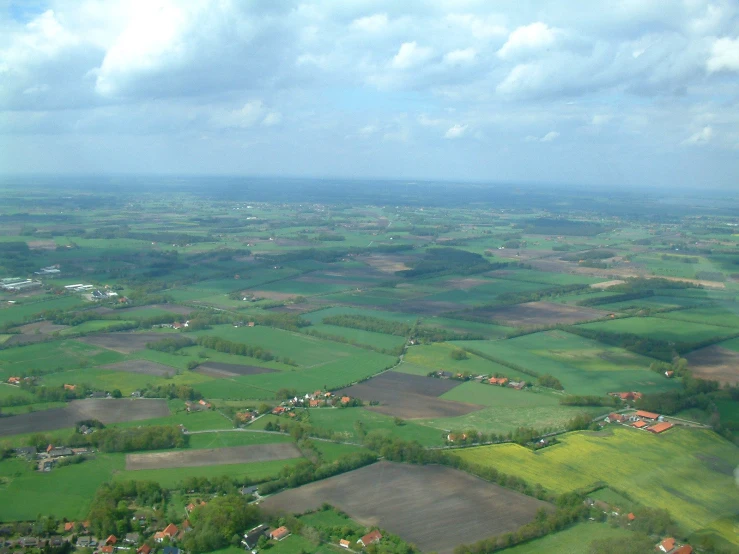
{"x":437,"y":356}
{"x":583,"y":366}
{"x":397,"y":497}
{"x":725,"y":316}
{"x":221,"y":370}
{"x":318,"y":315}
{"x":359,"y":336}
{"x":223,"y":439}
{"x":573,"y":540}
{"x":547,"y":278}
{"x":332,"y":375}
{"x":662,"y":329}
{"x":22,"y":310}
{"x":691,"y":486}
{"x":125,"y":343}
{"x":144,"y":367}
{"x":715,"y":363}
{"x":56,"y":355}
{"x":108,"y":410}
{"x":535,"y":314}
{"x":409,"y":396}
{"x":212,"y":456}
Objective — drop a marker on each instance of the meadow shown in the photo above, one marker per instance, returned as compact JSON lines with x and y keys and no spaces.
{"x":662,"y":328}
{"x":690,"y":486}
{"x":573,"y":540}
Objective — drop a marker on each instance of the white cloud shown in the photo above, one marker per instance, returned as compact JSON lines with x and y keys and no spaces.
{"x":549,"y":137}
{"x":368,"y":130}
{"x":460,"y":57}
{"x":427,"y":121}
{"x":271,"y":119}
{"x":371,"y":23}
{"x":600,"y":119}
{"x":528,"y":38}
{"x":410,"y":55}
{"x":250,"y":114}
{"x":701,"y":137}
{"x":455,"y":131}
{"x":480,"y":27}
{"x":724,"y":55}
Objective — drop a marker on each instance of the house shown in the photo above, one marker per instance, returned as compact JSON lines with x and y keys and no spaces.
{"x":684,"y":549}
{"x":132,"y":538}
{"x":666,"y":545}
{"x":69,"y":526}
{"x":343,"y":543}
{"x":83,"y":542}
{"x":627,"y":396}
{"x":205,"y":404}
{"x":518,"y":385}
{"x":111,"y":540}
{"x":498,"y":381}
{"x":370,"y":538}
{"x":56,"y":540}
{"x":144,"y":549}
{"x":615,"y":418}
{"x":26,"y":452}
{"x":279,"y":533}
{"x":313,"y":403}
{"x":647,"y":415}
{"x":28,"y":542}
{"x":69,"y":387}
{"x":99,"y":394}
{"x":58,"y":452}
{"x":631,"y":516}
{"x":159,"y":536}
{"x":249,"y":490}
{"x":251,"y":538}
{"x":660,"y":427}
{"x":250,"y":324}
{"x":278,"y":410}
{"x":451,"y":437}
{"x":345,"y":399}
{"x":107,"y":549}
{"x":640,"y":424}
{"x":190,"y":507}
{"x":14,"y":380}
{"x":669,"y":373}
{"x":170,"y":530}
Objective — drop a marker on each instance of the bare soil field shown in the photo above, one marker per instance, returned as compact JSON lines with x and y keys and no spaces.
{"x":43,"y":328}
{"x":221,"y":370}
{"x":213,"y":456}
{"x":532,"y":314}
{"x":434,"y":507}
{"x":409,"y":396}
{"x":142,"y":366}
{"x":464,"y":283}
{"x":715,"y":363}
{"x":107,"y":410}
{"x":125,"y":343}
{"x":607,"y":284}
{"x":388,"y":263}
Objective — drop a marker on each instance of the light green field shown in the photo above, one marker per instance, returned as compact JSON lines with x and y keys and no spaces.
{"x":225,"y":439}
{"x":193,"y":421}
{"x":331,"y":451}
{"x":685,"y":471}
{"x":317,"y":316}
{"x":574,"y":540}
{"x":582,"y":366}
{"x":726,"y":315}
{"x":436,"y":357}
{"x":661,"y":328}
{"x":7,"y":391}
{"x":359,"y":336}
{"x":56,"y":355}
{"x":17,"y":313}
{"x":171,"y":477}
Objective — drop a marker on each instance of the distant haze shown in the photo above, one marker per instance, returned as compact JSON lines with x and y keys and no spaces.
{"x":590,"y":93}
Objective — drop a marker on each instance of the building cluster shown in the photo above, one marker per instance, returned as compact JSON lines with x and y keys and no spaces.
{"x":317,"y":399}
{"x":45,"y":460}
{"x":641,"y":419}
{"x":252,"y":537}
{"x":16,"y":284}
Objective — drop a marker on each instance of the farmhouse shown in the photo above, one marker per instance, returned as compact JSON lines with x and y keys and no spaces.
{"x":615,"y":418}
{"x":669,"y":373}
{"x":666,"y":545}
{"x":171,"y":550}
{"x":640,"y":424}
{"x":370,"y":538}
{"x":69,"y":526}
{"x":111,"y":540}
{"x":660,"y":427}
{"x":252,"y":537}
{"x":144,"y":549}
{"x":343,"y":543}
{"x":627,"y":396}
{"x":498,"y":381}
{"x":14,"y":380}
{"x":279,"y":533}
{"x":107,"y":549}
{"x":647,"y":415}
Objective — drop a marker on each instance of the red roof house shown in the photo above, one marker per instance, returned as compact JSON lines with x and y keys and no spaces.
{"x":279,"y":533}
{"x":631,"y":517}
{"x":666,"y":545}
{"x":107,"y":549}
{"x":684,"y":549}
{"x":646,"y":415}
{"x":640,"y":424}
{"x":111,"y":540}
{"x":660,"y":427}
{"x":69,"y":526}
{"x":144,"y":549}
{"x":343,"y":543}
{"x":370,"y":538}
{"x":498,"y":381}
{"x":170,"y":530}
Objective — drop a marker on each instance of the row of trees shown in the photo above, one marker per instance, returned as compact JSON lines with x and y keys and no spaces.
{"x":237,"y":348}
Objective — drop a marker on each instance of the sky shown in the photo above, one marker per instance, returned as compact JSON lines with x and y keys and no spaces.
{"x":606,"y":93}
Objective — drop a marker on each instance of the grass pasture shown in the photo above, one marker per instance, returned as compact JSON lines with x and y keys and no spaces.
{"x":573,"y":540}
{"x":662,"y":328}
{"x":691,"y":486}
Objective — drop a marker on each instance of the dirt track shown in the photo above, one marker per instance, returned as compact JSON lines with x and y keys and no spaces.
{"x":213,"y":456}
{"x":107,"y":410}
{"x":434,"y":507}
{"x":409,"y":396}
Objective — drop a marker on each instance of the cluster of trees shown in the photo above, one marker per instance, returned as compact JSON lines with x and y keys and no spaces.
{"x":172,"y":391}
{"x":550,"y":381}
{"x":237,"y":348}
{"x":220,"y":523}
{"x":170,"y":344}
{"x":110,"y":514}
{"x":592,"y":400}
{"x":624,"y":297}
{"x":533,"y":296}
{"x":589,"y":255}
{"x":154,"y":437}
{"x":330,"y":237}
{"x":397,"y":328}
{"x":438,"y":261}
{"x":654,"y":348}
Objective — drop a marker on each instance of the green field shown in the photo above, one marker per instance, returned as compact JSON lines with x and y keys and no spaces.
{"x":437,"y":357}
{"x":662,"y":329}
{"x":583,"y":366}
{"x":225,"y":439}
{"x":685,"y":471}
{"x":24,"y":309}
{"x":358,"y":336}
{"x":57,"y":355}
{"x":574,"y":540}
{"x":725,"y":316}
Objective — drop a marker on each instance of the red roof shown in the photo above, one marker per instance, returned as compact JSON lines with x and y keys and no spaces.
{"x":664,"y":426}
{"x":145,"y":549}
{"x":371,"y":537}
{"x":685,"y":549}
{"x":648,"y":415}
{"x":345,"y":400}
{"x":279,"y":533}
{"x":111,"y":540}
{"x":667,"y":544}
{"x":69,"y":526}
{"x":170,"y":530}
{"x":640,"y":424}
{"x":631,"y":517}
{"x":345,"y":543}
{"x":107,"y":550}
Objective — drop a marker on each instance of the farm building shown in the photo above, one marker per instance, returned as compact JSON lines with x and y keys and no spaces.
{"x":615,"y":418}
{"x":343,"y":543}
{"x":279,"y":533}
{"x":109,"y":549}
{"x":666,"y":545}
{"x":498,"y":381}
{"x":660,"y":427}
{"x":111,"y":540}
{"x":647,"y":415}
{"x":144,"y":549}
{"x":627,"y":396}
{"x":370,"y":538}
{"x":252,"y":536}
{"x":640,"y":424}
